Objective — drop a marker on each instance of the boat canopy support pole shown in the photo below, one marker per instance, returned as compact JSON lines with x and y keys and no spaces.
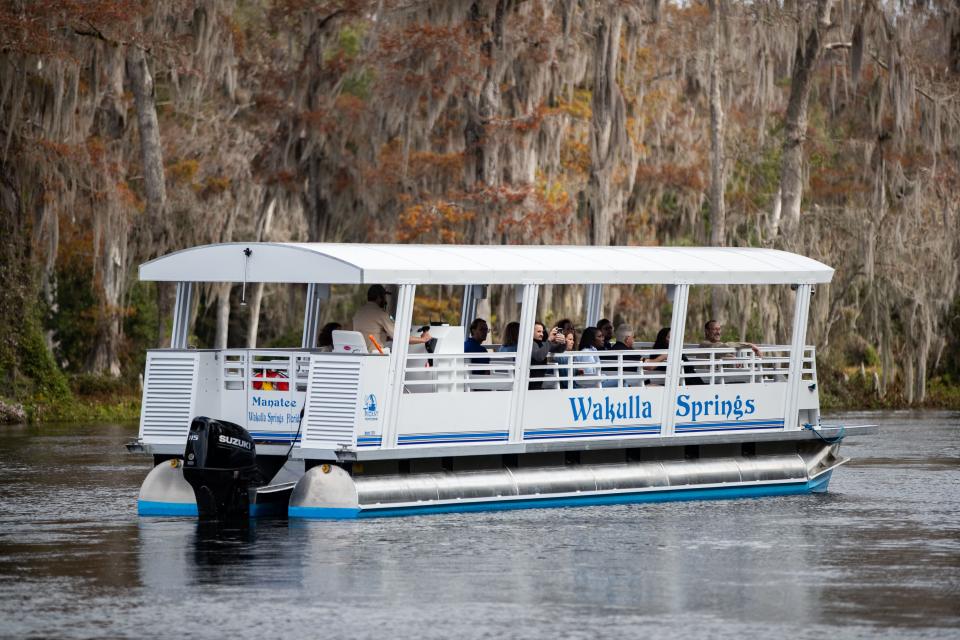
{"x":472,"y":293}
{"x":181,"y":315}
{"x":316,"y":294}
{"x":798,"y":339}
{"x":398,"y":364}
{"x":674,"y":358}
{"x":521,"y":377}
{"x":593,"y":304}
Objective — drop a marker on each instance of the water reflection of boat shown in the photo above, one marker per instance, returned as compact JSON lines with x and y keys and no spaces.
{"x":348,"y":434}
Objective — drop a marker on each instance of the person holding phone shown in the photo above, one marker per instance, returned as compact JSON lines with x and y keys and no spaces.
{"x":543,"y":346}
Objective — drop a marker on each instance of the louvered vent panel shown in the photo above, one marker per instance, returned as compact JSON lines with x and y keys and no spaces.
{"x":332,"y":404}
{"x":168,"y":396}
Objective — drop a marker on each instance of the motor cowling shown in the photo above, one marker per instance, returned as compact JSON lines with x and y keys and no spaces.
{"x":219,"y":462}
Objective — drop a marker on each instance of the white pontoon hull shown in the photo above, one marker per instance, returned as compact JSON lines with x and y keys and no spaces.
{"x":329,"y":492}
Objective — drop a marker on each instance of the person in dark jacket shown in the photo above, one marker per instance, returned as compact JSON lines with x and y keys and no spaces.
{"x":543,"y":346}
{"x":474,"y":344}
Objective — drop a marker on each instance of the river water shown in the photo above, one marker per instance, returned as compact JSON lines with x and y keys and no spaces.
{"x":877,"y":556}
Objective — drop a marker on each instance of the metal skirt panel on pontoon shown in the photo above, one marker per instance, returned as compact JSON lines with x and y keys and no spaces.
{"x":328,"y":491}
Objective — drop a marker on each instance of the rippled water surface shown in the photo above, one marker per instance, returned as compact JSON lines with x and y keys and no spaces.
{"x":879,"y":555}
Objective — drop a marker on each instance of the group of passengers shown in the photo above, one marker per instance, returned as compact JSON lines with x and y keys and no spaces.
{"x":588,"y":366}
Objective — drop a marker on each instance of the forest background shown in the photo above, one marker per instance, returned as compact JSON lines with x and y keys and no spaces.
{"x":131,"y":129}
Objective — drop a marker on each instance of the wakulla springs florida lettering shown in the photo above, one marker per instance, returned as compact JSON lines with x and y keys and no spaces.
{"x":586,"y":408}
{"x":633,"y":407}
{"x":736,"y":408}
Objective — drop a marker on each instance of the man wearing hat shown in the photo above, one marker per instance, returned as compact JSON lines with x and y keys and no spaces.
{"x":372,"y":319}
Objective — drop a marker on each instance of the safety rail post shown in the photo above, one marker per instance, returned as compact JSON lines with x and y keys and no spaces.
{"x":593,"y":304}
{"x":797,"y":343}
{"x":521,"y":374}
{"x":181,"y":316}
{"x":674,"y":358}
{"x":311,"y":315}
{"x":398,"y":364}
{"x":468,"y":309}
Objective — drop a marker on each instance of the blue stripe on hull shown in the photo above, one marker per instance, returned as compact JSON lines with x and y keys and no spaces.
{"x":455,"y":437}
{"x":598,"y":432}
{"x":189,"y":509}
{"x":153,"y":508}
{"x":817,"y":485}
{"x":700,"y":427}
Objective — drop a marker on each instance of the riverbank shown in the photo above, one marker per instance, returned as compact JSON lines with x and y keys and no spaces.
{"x":86,"y":399}
{"x":95,"y":398}
{"x":861,"y":389}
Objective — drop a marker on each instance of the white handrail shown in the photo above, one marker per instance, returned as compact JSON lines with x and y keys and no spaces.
{"x":607,"y":369}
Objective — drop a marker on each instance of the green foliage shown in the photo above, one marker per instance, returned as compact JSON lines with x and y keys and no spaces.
{"x":287,"y":339}
{"x":42,"y":379}
{"x":91,"y":386}
{"x":348,"y":44}
{"x":73,"y":320}
{"x":139,"y":326}
{"x":358,"y":83}
{"x":854,"y":350}
{"x":944,"y":391}
{"x":842,"y":390}
{"x":951,"y":363}
{"x":756,"y":176}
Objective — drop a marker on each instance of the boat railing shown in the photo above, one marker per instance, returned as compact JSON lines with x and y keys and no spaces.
{"x":495,"y":371}
{"x":596,"y":369}
{"x":430,"y":372}
{"x":808,"y":370}
{"x":731,"y":366}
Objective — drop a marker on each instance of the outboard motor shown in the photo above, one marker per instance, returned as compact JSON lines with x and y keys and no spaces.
{"x":220,"y":464}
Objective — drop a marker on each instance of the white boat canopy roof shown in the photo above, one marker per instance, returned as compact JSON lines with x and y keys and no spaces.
{"x":475,"y":264}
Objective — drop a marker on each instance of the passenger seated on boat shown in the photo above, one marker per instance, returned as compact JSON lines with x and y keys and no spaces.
{"x":474,"y":344}
{"x":711,"y":340}
{"x":372,"y":320}
{"x":625,"y":343}
{"x":605,"y":327}
{"x":543,"y":346}
{"x":587,"y":364}
{"x":570,"y":339}
{"x":325,"y":339}
{"x":511,"y":336}
{"x":661,"y":343}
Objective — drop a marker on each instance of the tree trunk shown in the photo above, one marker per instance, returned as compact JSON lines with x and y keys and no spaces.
{"x":151,"y":151}
{"x":795,"y":122}
{"x":105,"y":357}
{"x":607,"y":127}
{"x":223,"y":315}
{"x":953,"y":55}
{"x":263,"y":231}
{"x":482,"y":167}
{"x":253,"y":326}
{"x":111,"y":235}
{"x":718,"y":181}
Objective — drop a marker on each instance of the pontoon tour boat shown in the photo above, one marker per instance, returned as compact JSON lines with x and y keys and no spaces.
{"x":352,"y":433}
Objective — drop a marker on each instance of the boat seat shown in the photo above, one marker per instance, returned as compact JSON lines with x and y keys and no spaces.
{"x":349,"y":342}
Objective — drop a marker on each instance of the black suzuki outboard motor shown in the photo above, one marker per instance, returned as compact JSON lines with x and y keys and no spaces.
{"x":220,"y":464}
